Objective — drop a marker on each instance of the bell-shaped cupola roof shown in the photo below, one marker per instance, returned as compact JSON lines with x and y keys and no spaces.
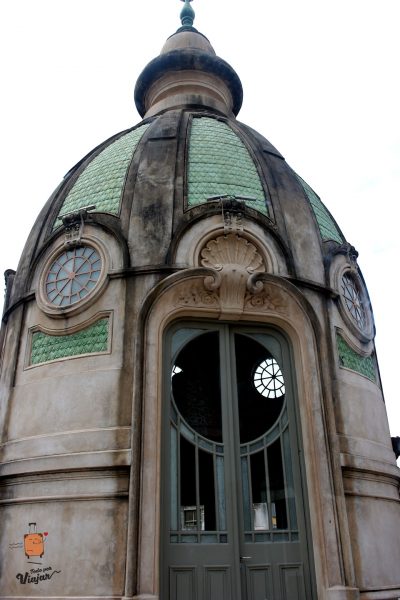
{"x":188,"y":73}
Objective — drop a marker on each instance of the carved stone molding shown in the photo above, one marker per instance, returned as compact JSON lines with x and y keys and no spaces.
{"x":236,"y":281}
{"x":227,"y":251}
{"x":347,"y":250}
{"x":74,"y":223}
{"x":197,"y":295}
{"x":234,"y":261}
{"x":266,"y":300}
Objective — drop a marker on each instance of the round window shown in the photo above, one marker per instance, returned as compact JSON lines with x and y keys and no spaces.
{"x":72,"y":276}
{"x":268,"y":379}
{"x":353,"y":300}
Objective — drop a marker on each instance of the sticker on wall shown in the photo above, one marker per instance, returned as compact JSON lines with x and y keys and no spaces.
{"x":34,"y":542}
{"x":34,"y":546}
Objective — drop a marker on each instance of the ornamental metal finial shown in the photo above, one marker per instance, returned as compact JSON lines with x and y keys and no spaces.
{"x":187,"y":14}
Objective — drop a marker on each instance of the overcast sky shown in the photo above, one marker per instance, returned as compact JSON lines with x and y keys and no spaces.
{"x":320,"y":79}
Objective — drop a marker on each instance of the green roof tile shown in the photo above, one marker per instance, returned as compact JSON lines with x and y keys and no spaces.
{"x":220,"y":164}
{"x":102,"y":182}
{"x":92,"y":340}
{"x":326,"y":224}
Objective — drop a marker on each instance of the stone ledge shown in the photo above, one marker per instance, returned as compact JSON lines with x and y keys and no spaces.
{"x":384,"y":594}
{"x":342,"y":593}
{"x":364,"y":464}
{"x":67,"y":462}
{"x":101,"y":439}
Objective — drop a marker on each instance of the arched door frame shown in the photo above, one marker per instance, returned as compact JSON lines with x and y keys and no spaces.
{"x":189,"y":296}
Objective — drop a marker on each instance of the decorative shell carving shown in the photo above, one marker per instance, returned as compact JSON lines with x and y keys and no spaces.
{"x":232,"y":249}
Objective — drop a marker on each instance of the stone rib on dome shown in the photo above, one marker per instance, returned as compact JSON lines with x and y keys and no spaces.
{"x":102,"y":181}
{"x":220,"y":164}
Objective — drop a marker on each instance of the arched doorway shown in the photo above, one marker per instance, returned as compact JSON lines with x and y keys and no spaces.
{"x":233,"y":502}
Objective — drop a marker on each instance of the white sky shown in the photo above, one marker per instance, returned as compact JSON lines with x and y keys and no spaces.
{"x":321,"y":82}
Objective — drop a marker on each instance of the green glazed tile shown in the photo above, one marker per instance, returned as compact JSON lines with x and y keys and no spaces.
{"x":91,"y":340}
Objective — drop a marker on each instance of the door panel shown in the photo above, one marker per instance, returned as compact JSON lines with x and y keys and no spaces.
{"x":292,"y":582}
{"x":183,"y":583}
{"x":217,"y":582}
{"x":259,"y":582}
{"x":234,"y":524}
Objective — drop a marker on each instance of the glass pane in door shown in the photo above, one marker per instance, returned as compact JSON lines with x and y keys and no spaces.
{"x":258,"y":375}
{"x":265,"y":469}
{"x":197,"y":493}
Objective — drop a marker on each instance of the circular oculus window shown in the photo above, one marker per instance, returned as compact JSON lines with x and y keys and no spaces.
{"x":72,"y":276}
{"x":353,"y":300}
{"x":268,"y":379}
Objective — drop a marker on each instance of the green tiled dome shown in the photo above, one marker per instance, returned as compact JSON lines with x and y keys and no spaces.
{"x":220,"y":165}
{"x":327,"y":226}
{"x":101,"y":183}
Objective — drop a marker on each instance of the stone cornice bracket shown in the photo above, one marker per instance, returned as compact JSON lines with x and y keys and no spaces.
{"x":234,"y":260}
{"x":9,"y":280}
{"x":349,"y":251}
{"x":74,"y":223}
{"x":232,"y":209}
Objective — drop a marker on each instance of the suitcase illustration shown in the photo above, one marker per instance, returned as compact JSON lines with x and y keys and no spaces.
{"x":33,"y":542}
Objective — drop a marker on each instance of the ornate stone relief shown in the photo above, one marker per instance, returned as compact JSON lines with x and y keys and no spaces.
{"x":74,"y":223}
{"x":229,"y":251}
{"x":197,"y":295}
{"x":266,"y":300}
{"x":235,"y":282}
{"x":235,"y":260}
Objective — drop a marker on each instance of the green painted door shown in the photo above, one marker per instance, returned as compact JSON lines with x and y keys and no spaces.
{"x":233,"y":514}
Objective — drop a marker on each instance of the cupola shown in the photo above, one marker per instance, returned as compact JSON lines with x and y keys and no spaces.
{"x":188,"y":73}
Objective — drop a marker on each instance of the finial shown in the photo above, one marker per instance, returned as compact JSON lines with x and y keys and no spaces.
{"x":187,"y":14}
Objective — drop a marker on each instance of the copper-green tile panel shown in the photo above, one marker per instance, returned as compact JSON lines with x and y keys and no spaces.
{"x":91,"y":340}
{"x":102,"y":182}
{"x":326,"y":224}
{"x":365,"y":365}
{"x":220,"y":164}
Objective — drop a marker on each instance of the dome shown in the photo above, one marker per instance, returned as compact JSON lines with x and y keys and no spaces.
{"x":218,"y":159}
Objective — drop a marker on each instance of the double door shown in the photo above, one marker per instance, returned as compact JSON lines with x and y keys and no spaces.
{"x":233,"y":503}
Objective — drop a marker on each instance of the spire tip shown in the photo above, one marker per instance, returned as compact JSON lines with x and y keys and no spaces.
{"x":187,"y":14}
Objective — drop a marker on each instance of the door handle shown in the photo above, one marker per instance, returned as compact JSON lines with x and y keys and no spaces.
{"x":245,"y":557}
